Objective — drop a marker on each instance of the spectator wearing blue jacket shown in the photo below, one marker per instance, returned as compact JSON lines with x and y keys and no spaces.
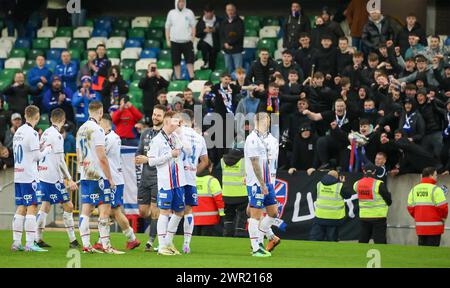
{"x":58,"y":97}
{"x":68,"y":71}
{"x":40,"y":74}
{"x":82,"y":98}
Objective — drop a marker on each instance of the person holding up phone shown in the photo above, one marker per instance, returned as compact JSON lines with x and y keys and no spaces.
{"x":151,"y":85}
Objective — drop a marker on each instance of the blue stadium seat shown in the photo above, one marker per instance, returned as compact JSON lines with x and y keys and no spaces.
{"x":22,"y":43}
{"x":100,"y":33}
{"x":130,"y":43}
{"x":249,"y":55}
{"x":148,"y":53}
{"x":51,"y":64}
{"x":2,"y":64}
{"x":54,"y":54}
{"x":447,"y":42}
{"x":103,"y":24}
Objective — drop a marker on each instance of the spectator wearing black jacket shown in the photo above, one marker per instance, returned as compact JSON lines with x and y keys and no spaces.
{"x":287,"y":65}
{"x":298,"y":119}
{"x":377,"y":31}
{"x":207,"y":30}
{"x":262,"y":68}
{"x":4,"y":120}
{"x":432,"y":113}
{"x":443,"y":79}
{"x":321,"y":97}
{"x":113,"y":88}
{"x":305,"y":54}
{"x":411,"y":27}
{"x":354,"y":70}
{"x":296,"y":24}
{"x":319,"y":31}
{"x":150,"y":85}
{"x":17,"y":94}
{"x":333,"y":27}
{"x":101,"y":66}
{"x":411,"y":122}
{"x":325,"y":58}
{"x":445,"y":152}
{"x":232,"y":32}
{"x":344,"y":56}
{"x":290,"y":93}
{"x":304,"y":156}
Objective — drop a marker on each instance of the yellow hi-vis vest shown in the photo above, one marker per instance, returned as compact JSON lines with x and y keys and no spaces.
{"x":371,"y":204}
{"x":233,"y":180}
{"x":330,"y":204}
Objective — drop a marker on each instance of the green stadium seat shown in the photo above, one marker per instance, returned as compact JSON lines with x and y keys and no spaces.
{"x":252,"y":23}
{"x":165,"y":54}
{"x":18,"y":53}
{"x":30,"y":63}
{"x":41,"y":43}
{"x":121,"y":23}
{"x":203,"y":74}
{"x":89,"y":23}
{"x":139,"y":74}
{"x":5,"y":104}
{"x":43,"y":122}
{"x":152,"y":43}
{"x":4,"y":83}
{"x":8,"y":74}
{"x":136,"y":32}
{"x":215,"y":76}
{"x":134,"y":85}
{"x":164,"y":64}
{"x":158,"y":22}
{"x":127,"y":73}
{"x":85,"y":53}
{"x":119,"y":32}
{"x":268,"y":43}
{"x":249,"y":32}
{"x":33,"y":53}
{"x":75,"y":53}
{"x":77,"y":44}
{"x":128,"y":63}
{"x":270,"y":21}
{"x":220,"y":61}
{"x":177,"y":85}
{"x":198,"y":55}
{"x":155,"y":33}
{"x":113,"y":52}
{"x":64,"y":32}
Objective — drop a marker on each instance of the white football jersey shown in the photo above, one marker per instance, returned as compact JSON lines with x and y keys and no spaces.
{"x":197,"y":149}
{"x":112,"y":146}
{"x":49,"y":170}
{"x":25,"y":143}
{"x":256,"y":146}
{"x":171,"y":173}
{"x":89,"y":136}
{"x":272,"y":144}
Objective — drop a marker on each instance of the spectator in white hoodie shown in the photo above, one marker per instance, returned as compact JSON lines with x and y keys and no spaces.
{"x":180,"y":32}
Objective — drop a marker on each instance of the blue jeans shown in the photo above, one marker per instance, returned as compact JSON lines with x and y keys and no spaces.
{"x":357,"y":43}
{"x":79,"y":19}
{"x":233,"y":61}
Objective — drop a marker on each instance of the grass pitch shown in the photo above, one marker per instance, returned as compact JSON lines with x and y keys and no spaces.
{"x":213,"y":252}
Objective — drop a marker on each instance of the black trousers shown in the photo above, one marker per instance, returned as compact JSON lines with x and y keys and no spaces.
{"x":430,"y":240}
{"x":321,"y":232}
{"x":373,"y":229}
{"x":235,"y":219}
{"x":209,"y":54}
{"x":58,"y":15}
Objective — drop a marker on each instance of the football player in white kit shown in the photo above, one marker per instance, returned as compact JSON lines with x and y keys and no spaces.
{"x":194,"y":162}
{"x":96,"y":179}
{"x":52,"y":172}
{"x":113,"y":144}
{"x":27,"y":153}
{"x":165,"y":154}
{"x":260,"y":189}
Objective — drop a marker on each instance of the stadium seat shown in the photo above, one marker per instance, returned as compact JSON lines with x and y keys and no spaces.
{"x":100,"y":33}
{"x":249,"y":55}
{"x":132,"y":43}
{"x":164,"y":64}
{"x":142,"y":64}
{"x":165,"y":54}
{"x":82,"y":32}
{"x":278,"y":54}
{"x":14,"y":63}
{"x":197,"y":85}
{"x":130,"y":53}
{"x":177,"y":85}
{"x":269,"y":44}
{"x":166,"y":73}
{"x":127,"y":73}
{"x":252,"y":23}
{"x":3,"y":85}
{"x":171,"y":95}
{"x":215,"y":76}
{"x":54,"y":54}
{"x":280,"y":43}
{"x":117,"y":32}
{"x":269,"y":32}
{"x":128,"y":64}
{"x":64,"y":32}
{"x":198,"y":64}
{"x":103,"y":24}
{"x":220,"y":61}
{"x":113,"y":52}
{"x":6,"y":44}
{"x":270,"y":21}
{"x":115,"y":42}
{"x":158,"y":22}
{"x":41,"y":43}
{"x":77,"y":44}
{"x":249,"y":32}
{"x":29,"y":64}
{"x":18,"y":53}
{"x":115,"y":61}
{"x":148,"y":53}
{"x":46,"y":32}
{"x":3,"y":54}
{"x":250,"y":42}
{"x":152,"y":43}
{"x":59,"y":42}
{"x":8,"y":74}
{"x":51,"y":64}
{"x":139,"y":74}
{"x":22,"y":43}
{"x":89,"y":23}
{"x":121,"y":23}
{"x":141,"y":22}
{"x":202,"y":74}
{"x":93,"y":42}
{"x":75,"y":54}
{"x":137,"y":32}
{"x":155,"y":33}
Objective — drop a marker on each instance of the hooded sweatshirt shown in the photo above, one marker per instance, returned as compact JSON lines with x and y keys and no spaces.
{"x":180,"y":23}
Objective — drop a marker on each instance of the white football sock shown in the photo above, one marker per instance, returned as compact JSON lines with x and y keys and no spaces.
{"x":188,"y":227}
{"x":17,"y":227}
{"x":103,"y":229}
{"x":163,"y":221}
{"x":270,"y":234}
{"x":254,"y":233}
{"x":129,"y":233}
{"x":41,"y":220}
{"x":85,"y":232}
{"x":172,"y":228}
{"x":265,"y":225}
{"x":30,"y":229}
{"x":69,"y":224}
